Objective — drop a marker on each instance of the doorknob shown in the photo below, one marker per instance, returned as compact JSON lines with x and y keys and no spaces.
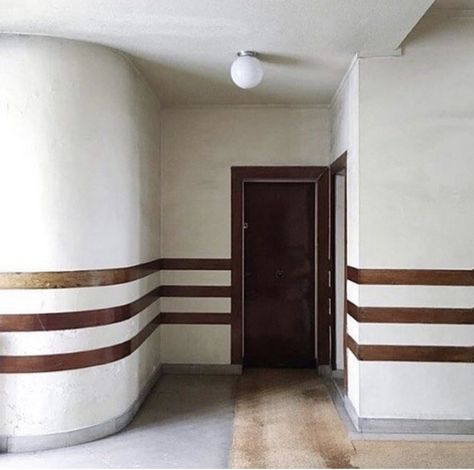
{"x":279,"y":273}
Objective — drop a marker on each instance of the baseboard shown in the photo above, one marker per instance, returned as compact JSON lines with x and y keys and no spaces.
{"x":397,"y":428}
{"x":416,"y":426}
{"x":79,"y":436}
{"x":203,"y":369}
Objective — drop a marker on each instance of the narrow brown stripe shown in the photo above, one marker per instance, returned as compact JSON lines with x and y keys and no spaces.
{"x":352,"y":345}
{"x":184,"y":318}
{"x":447,"y":316}
{"x":76,"y":360}
{"x":74,"y":320}
{"x":353,"y":274}
{"x":205,"y":264}
{"x":413,"y":277}
{"x":195,"y":291}
{"x":369,"y":352}
{"x":84,"y":278}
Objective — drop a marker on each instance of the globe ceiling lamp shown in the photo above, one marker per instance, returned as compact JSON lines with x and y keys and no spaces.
{"x":246,"y":71}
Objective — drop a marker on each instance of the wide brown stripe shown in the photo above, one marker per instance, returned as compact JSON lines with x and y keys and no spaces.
{"x":74,"y":320}
{"x":184,"y":318}
{"x":106,"y":277}
{"x":84,"y":278}
{"x":413,"y":277}
{"x":369,"y":352}
{"x":447,"y":316}
{"x":195,"y":291}
{"x":205,"y":264}
{"x":76,"y":360}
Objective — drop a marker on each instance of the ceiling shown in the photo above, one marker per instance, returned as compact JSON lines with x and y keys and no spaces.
{"x":185,"y":47}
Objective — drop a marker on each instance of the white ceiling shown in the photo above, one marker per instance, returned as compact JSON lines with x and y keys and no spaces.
{"x":185,"y":47}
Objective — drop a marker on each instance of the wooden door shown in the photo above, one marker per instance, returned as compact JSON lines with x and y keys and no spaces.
{"x":279,"y":271}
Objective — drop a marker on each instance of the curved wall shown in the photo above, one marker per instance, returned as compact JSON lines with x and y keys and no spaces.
{"x":79,"y":190}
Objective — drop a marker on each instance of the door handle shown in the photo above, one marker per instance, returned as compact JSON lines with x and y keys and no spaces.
{"x":279,"y":273}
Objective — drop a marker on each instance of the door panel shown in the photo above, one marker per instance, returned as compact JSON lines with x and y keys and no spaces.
{"x":279,"y":247}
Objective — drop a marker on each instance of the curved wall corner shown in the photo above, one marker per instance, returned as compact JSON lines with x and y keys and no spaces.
{"x":79,"y":192}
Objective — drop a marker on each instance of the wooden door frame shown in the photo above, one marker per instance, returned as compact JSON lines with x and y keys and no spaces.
{"x":338,"y":167}
{"x":315,"y":174}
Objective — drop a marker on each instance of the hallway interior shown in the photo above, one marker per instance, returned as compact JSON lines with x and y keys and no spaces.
{"x":282,"y":418}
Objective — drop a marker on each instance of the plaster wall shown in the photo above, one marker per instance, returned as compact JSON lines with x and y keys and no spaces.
{"x":79,"y":189}
{"x":416,"y":211}
{"x":200,"y":145}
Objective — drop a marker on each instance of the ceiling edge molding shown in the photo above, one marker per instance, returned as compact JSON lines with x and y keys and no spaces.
{"x":321,"y":106}
{"x":380,"y":54}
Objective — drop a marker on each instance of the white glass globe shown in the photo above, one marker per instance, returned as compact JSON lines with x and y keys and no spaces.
{"x":246,"y":72}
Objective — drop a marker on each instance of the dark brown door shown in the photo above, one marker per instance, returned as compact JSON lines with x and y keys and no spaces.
{"x":279,"y":247}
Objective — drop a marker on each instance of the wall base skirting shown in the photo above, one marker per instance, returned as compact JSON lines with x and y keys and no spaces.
{"x":79,"y":436}
{"x":416,"y":426}
{"x":398,"y":428}
{"x":203,"y":369}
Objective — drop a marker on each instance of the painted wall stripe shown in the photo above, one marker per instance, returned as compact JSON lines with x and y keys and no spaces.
{"x":105,"y":316}
{"x":414,"y":277}
{"x":73,"y":320}
{"x":448,"y":316}
{"x":217,"y":264}
{"x":82,"y":359}
{"x":368,"y":352}
{"x":84,"y":278}
{"x":105,"y":277}
{"x":195,"y":291}
{"x":184,"y":318}
{"x":76,"y":360}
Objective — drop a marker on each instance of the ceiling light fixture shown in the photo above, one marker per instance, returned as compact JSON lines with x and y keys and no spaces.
{"x":246,"y":71}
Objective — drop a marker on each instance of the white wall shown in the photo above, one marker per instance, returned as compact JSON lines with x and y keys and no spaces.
{"x":199,"y":147}
{"x":344,"y":114}
{"x":416,"y":211}
{"x":79,"y":189}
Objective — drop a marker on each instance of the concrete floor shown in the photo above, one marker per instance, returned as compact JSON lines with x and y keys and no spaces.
{"x":186,"y":422}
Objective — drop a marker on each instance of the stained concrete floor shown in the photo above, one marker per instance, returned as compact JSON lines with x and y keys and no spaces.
{"x":186,"y":422}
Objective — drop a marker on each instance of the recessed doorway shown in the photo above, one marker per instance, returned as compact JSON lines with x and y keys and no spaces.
{"x":280,"y":265}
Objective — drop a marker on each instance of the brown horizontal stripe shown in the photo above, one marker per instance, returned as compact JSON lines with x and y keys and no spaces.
{"x":447,"y":316}
{"x":184,"y":318}
{"x":84,"y":278}
{"x":369,"y":352}
{"x":105,"y":316}
{"x":74,"y":320}
{"x":196,"y":264}
{"x":414,"y":277}
{"x":76,"y":360}
{"x":195,"y":291}
{"x":105,"y":277}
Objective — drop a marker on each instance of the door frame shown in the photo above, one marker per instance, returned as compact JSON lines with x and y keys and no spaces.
{"x":315,"y":174}
{"x":338,"y":167}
